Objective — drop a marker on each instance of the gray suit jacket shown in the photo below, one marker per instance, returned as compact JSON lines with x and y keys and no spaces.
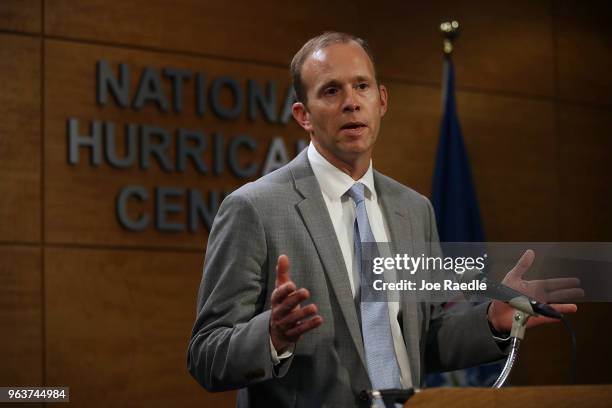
{"x":284,"y":213}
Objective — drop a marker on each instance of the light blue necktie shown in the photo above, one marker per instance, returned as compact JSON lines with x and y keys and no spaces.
{"x":376,"y":329}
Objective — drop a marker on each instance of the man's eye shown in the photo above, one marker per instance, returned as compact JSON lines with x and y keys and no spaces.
{"x":363,"y":85}
{"x":331,"y":91}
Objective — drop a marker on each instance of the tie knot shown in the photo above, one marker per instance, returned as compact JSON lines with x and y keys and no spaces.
{"x":356,"y":192}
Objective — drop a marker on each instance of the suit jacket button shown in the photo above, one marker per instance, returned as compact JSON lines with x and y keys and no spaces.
{"x":363,"y":395}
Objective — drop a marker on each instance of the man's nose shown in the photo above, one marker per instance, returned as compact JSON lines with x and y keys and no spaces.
{"x":351,"y":103}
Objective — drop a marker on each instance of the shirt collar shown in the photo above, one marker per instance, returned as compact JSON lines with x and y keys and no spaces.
{"x":333,"y":181}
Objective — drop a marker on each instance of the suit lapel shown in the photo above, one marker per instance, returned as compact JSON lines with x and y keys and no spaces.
{"x":315,"y":215}
{"x":401,"y":237}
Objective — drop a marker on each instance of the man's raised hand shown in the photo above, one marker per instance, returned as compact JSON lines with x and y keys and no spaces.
{"x":553,"y":291}
{"x":289,"y":320}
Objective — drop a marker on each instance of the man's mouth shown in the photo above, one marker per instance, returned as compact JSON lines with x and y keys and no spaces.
{"x":353,"y":125}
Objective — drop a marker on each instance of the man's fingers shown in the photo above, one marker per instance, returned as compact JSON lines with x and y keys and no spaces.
{"x":290,"y":302}
{"x":282,"y":270}
{"x":298,"y":315}
{"x":521,"y":266}
{"x":305,"y":326}
{"x":562,"y":308}
{"x":561,"y":283}
{"x":565,"y":295}
{"x":565,"y":308}
{"x":288,"y":320}
{"x":280,"y":293}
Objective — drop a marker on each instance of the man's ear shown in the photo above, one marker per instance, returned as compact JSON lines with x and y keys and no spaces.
{"x":301,"y":116}
{"x":384,"y":95}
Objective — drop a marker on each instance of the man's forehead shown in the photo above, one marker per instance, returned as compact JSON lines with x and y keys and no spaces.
{"x":338,"y":51}
{"x":347,"y":58}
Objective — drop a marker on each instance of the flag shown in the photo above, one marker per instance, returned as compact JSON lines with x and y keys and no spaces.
{"x":457,"y":213}
{"x":453,"y":194}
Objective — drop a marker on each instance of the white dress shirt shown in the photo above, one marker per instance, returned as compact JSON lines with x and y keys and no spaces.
{"x":334,"y":184}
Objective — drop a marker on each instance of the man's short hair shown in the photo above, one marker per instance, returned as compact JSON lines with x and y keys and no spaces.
{"x":318,"y":43}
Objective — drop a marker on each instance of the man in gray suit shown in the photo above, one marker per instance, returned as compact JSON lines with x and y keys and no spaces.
{"x":253,"y":330}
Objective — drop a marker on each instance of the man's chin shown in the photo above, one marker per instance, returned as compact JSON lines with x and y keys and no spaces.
{"x":357,"y":146}
{"x":355,"y":151}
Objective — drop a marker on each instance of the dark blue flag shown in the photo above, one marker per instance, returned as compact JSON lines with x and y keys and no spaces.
{"x":453,"y":194}
{"x":457,"y":214}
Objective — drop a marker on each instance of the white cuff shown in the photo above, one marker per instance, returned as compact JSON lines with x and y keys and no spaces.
{"x":276,"y":359}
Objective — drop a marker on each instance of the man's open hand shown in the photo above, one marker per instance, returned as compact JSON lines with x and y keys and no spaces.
{"x":544,"y":291}
{"x":289,"y":320}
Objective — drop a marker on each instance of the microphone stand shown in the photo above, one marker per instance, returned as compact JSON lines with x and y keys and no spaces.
{"x":519,"y":323}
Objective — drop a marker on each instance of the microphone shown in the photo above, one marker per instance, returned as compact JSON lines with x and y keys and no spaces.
{"x":511,"y":296}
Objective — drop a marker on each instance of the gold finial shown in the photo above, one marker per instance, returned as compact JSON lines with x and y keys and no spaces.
{"x":450,"y":31}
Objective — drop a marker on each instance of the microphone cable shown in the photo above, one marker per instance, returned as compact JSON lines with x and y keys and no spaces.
{"x":572,"y":333}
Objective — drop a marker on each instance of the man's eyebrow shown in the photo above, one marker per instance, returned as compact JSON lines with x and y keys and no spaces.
{"x":361,"y":78}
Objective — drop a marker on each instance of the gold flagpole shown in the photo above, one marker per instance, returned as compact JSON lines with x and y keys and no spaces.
{"x":450,"y":31}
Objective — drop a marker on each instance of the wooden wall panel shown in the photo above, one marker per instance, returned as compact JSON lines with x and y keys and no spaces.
{"x":20,"y":316}
{"x":544,"y":357}
{"x":594,"y":361}
{"x":406,"y":146}
{"x":118,"y":324}
{"x":512,"y":148}
{"x":80,"y":199}
{"x":505,"y":46}
{"x":513,"y":152}
{"x":20,"y":207}
{"x":584,"y":46}
{"x":266,"y":32}
{"x":21,"y":15}
{"x":585,"y":173}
